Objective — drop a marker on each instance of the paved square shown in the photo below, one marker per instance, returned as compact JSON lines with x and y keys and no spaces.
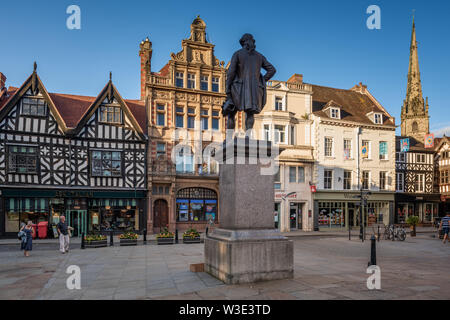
{"x":325,"y":268}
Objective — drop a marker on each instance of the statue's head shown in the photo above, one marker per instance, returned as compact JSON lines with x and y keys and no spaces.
{"x":247,"y":42}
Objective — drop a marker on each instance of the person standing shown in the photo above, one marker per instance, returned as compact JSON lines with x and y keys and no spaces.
{"x":27,"y":243}
{"x":445,"y":226}
{"x":63,"y":231}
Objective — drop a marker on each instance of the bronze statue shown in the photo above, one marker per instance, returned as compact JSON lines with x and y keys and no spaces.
{"x":246,"y":86}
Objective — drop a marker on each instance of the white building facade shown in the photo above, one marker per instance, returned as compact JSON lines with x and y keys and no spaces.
{"x":354,"y":149}
{"x":285,"y":121}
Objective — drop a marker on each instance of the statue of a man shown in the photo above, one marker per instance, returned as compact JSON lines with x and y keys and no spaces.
{"x":246,"y":86}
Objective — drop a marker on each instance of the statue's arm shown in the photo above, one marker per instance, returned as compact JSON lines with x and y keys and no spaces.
{"x":266,"y":65}
{"x":231,"y":74}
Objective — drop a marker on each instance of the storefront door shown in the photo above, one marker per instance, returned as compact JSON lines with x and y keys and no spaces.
{"x":77,"y":220}
{"x":295,"y":215}
{"x":160,"y":215}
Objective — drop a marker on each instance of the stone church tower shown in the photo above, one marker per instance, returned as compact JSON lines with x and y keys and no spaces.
{"x":414,"y":116}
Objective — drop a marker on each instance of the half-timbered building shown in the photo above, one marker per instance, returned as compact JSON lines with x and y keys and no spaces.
{"x":78,"y":156}
{"x":415,"y":194}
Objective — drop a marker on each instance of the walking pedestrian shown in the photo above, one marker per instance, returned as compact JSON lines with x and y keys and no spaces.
{"x":27,"y":239}
{"x":445,"y":226}
{"x":63,"y":231}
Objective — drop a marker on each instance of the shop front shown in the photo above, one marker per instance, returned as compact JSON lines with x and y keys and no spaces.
{"x":85,"y":211}
{"x":340,"y":210}
{"x":292,"y":212}
{"x":196,"y":207}
{"x":426,"y":207}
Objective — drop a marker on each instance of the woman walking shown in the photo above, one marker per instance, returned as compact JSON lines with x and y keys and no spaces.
{"x":27,"y":244}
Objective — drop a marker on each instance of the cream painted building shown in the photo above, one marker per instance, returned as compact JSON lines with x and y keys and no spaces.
{"x":285,"y":122}
{"x":354,"y":139}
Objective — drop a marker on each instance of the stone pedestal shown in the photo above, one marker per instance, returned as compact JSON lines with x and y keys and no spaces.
{"x":247,"y":248}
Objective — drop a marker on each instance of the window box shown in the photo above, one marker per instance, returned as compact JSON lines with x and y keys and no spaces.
{"x":95,"y":241}
{"x":191,"y":240}
{"x":165,"y":237}
{"x":128,"y":239}
{"x":166,"y":240}
{"x":191,"y":236}
{"x":128,"y":242}
{"x":96,"y":244}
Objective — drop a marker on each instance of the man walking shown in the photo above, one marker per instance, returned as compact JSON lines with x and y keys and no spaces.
{"x":445,"y":226}
{"x":63,"y":231}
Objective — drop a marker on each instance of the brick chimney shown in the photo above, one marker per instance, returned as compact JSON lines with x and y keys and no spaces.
{"x":2,"y":81}
{"x":296,"y":78}
{"x":145,"y":53}
{"x":360,"y":87}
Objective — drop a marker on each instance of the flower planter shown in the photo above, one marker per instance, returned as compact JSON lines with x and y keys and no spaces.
{"x":191,"y":240}
{"x":128,"y":242}
{"x":96,"y":244}
{"x":167,"y":240}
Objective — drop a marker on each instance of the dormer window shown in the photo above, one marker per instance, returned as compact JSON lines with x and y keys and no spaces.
{"x":378,"y":118}
{"x":35,"y":107}
{"x":335,"y":113}
{"x":110,"y":114}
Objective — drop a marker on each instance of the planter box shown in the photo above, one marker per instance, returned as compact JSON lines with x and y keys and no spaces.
{"x":128,"y":242}
{"x":191,"y":240}
{"x":165,"y":240}
{"x":96,"y":244}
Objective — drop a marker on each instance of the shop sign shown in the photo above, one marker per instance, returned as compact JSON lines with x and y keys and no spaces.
{"x":313,"y":189}
{"x":281,"y":195}
{"x":74,"y":194}
{"x":351,"y":196}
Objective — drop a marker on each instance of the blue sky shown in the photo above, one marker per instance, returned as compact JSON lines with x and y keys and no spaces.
{"x":326,"y":41}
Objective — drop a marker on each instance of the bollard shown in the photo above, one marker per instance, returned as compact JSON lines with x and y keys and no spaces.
{"x":111,"y":238}
{"x":176,"y":235}
{"x":378,"y":233}
{"x":206,"y":232}
{"x":145,"y":236}
{"x":82,"y":240}
{"x":373,"y":252}
{"x":349,"y":232}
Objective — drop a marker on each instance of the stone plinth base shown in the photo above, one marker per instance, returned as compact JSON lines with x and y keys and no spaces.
{"x":246,"y":256}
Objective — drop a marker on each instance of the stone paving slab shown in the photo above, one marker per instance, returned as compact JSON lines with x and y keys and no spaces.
{"x":325,"y":268}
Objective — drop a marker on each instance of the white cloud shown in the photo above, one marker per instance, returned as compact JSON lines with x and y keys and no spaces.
{"x":441,"y":131}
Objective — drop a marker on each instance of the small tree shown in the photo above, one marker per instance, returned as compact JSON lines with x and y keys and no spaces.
{"x":413,"y":221}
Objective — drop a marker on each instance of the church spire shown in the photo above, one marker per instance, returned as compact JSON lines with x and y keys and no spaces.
{"x":415,"y":110}
{"x":414,"y":89}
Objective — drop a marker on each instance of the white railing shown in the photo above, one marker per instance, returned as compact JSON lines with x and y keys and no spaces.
{"x":292,"y":86}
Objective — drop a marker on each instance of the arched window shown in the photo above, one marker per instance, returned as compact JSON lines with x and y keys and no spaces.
{"x":196,"y":204}
{"x":415,"y":126}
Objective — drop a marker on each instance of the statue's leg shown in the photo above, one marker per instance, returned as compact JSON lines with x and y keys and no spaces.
{"x":231,"y":122}
{"x":249,"y":120}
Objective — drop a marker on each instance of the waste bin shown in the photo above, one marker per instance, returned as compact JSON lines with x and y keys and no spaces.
{"x":42,"y":229}
{"x":34,"y":232}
